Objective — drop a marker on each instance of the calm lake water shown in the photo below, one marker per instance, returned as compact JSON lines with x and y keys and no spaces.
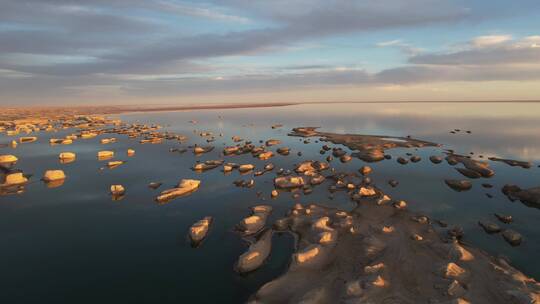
{"x":73,"y":244}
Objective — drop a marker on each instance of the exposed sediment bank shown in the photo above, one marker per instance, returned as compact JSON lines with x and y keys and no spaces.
{"x":370,"y":148}
{"x":381,"y":254}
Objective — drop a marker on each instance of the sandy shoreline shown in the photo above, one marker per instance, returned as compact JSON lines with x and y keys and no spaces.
{"x":130,"y":109}
{"x":33,"y":111}
{"x":10,"y":113}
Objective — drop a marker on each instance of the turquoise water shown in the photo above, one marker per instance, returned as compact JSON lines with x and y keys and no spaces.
{"x":75,"y":244}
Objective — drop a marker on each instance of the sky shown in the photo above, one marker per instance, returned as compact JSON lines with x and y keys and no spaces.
{"x":96,"y":52}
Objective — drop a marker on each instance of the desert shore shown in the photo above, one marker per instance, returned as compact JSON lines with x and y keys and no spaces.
{"x":12,"y":112}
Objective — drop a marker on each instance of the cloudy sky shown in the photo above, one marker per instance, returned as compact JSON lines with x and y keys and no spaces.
{"x":172,"y":51}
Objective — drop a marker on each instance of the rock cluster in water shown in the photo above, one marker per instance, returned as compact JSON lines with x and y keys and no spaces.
{"x":377,"y":252}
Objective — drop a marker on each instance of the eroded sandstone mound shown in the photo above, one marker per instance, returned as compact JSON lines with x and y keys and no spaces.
{"x":369,"y":148}
{"x":378,"y":253}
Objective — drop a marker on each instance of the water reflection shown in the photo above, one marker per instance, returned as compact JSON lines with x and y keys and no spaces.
{"x":55,"y":183}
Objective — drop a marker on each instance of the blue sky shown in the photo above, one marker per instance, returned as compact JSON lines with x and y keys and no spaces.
{"x":169,"y":51}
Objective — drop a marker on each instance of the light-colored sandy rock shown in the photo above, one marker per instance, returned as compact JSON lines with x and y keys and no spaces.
{"x":328,"y":237}
{"x":257,"y":253}
{"x":67,"y":156}
{"x":102,"y":155}
{"x":272,"y":142}
{"x":388,"y":229}
{"x":115,"y":163}
{"x":16,"y":178}
{"x":307,"y":254}
{"x":367,"y":191}
{"x":88,"y":135}
{"x":417,"y":237}
{"x":201,"y":150}
{"x":105,"y":141}
{"x":365,"y":170}
{"x":256,"y":221}
{"x":246,"y":168}
{"x":384,"y":200}
{"x":185,"y":187}
{"x":27,"y":139}
{"x":266,"y":155}
{"x":371,"y":269}
{"x":453,"y":271}
{"x":231,"y":150}
{"x":117,"y":190}
{"x":54,"y":175}
{"x":400,"y":204}
{"x":322,"y":223}
{"x":311,"y":165}
{"x":199,"y":230}
{"x":8,"y":159}
{"x":289,"y":182}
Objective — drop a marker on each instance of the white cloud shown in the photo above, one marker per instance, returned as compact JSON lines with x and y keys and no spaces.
{"x":404,"y":47}
{"x":490,"y":40}
{"x":389,"y":43}
{"x":487,"y":51}
{"x":529,"y":41}
{"x":204,"y":12}
{"x":13,"y":74}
